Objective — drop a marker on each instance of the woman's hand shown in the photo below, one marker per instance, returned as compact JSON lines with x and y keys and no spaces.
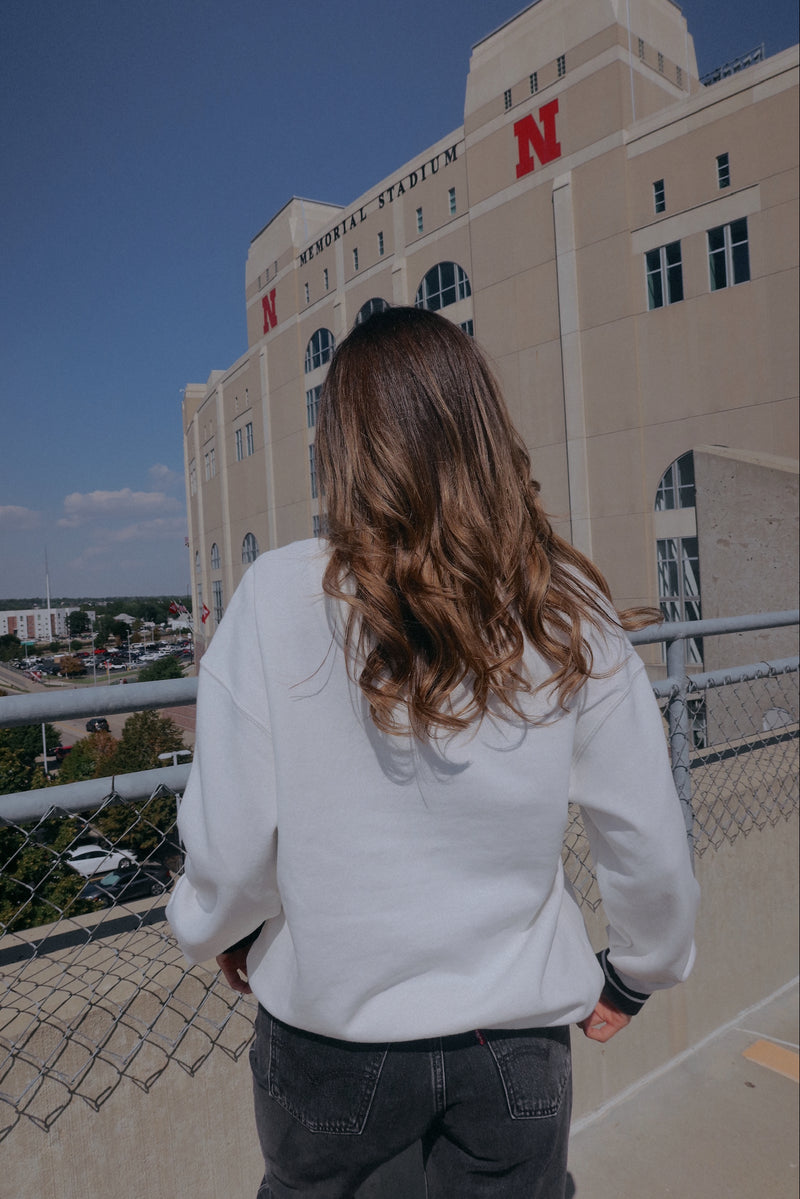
{"x":604,"y":1022}
{"x":233,"y":964}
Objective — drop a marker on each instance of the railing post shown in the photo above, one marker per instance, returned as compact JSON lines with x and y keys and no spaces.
{"x":680,"y":732}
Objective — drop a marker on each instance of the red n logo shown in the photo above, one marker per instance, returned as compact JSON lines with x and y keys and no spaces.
{"x":268,"y":304}
{"x":541,"y":141}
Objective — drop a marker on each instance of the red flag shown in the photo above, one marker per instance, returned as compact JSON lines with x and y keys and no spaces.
{"x":206,"y":614}
{"x":174,"y":610}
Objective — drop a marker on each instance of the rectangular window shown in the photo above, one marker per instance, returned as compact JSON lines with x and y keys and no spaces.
{"x":451,"y":200}
{"x":306,"y":291}
{"x":216,"y":591}
{"x":679,"y":585}
{"x":312,"y":405}
{"x":325,"y":278}
{"x":679,"y":76}
{"x":193,"y":477}
{"x":661,"y":62}
{"x":419,"y":220}
{"x":664,"y":271}
{"x":561,"y":65}
{"x":207,"y":467}
{"x":659,"y":196}
{"x":641,"y":48}
{"x":723,"y":171}
{"x":534,"y":82}
{"x":507,"y":98}
{"x":248,"y":432}
{"x":319,"y":526}
{"x":355,"y":259}
{"x":239,"y":445}
{"x":728,"y":255}
{"x":212,"y":457}
{"x":380,"y":245}
{"x":468,"y":327}
{"x":312,"y":470}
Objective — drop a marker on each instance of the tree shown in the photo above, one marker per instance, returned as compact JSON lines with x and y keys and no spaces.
{"x":146,"y":827}
{"x":77,"y":623}
{"x":164,"y":668}
{"x":35,"y":888}
{"x":27,"y":741}
{"x":145,"y":735}
{"x":90,"y":758}
{"x":69,"y":666}
{"x":15,"y":773}
{"x":10,"y":647}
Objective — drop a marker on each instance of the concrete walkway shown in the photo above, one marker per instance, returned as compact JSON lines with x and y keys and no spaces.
{"x":721,"y":1123}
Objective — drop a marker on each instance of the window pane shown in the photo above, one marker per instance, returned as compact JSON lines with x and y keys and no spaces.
{"x":691,"y":570}
{"x":686,"y":487}
{"x":655,"y":291}
{"x":675,"y":282}
{"x":670,"y":609}
{"x":665,"y":496}
{"x":741,"y":263}
{"x":717,"y":270}
{"x":716,"y":238}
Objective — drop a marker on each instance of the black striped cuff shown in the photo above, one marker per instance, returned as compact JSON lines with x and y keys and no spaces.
{"x":616,"y":992}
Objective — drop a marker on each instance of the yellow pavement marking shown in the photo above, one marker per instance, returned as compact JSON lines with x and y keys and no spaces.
{"x":775,"y":1057}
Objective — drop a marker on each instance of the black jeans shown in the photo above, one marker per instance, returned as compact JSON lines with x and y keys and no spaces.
{"x":491,"y":1109}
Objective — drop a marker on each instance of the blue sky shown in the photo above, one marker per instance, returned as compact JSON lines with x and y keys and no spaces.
{"x":143,"y":144}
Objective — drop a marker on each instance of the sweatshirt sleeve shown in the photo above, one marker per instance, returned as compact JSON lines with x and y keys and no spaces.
{"x":622,"y":781}
{"x":227,"y":817}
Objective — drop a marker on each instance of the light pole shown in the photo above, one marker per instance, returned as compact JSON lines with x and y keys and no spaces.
{"x":94,"y":655}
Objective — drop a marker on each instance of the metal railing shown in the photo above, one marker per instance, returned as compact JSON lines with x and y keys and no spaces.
{"x":94,"y":994}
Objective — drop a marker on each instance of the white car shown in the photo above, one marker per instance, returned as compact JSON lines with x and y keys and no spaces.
{"x":95,"y":859}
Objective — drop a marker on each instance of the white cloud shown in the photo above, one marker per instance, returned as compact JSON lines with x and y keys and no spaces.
{"x":163,"y":477}
{"x":80,"y":507}
{"x":15,"y":518}
{"x":158,"y":532}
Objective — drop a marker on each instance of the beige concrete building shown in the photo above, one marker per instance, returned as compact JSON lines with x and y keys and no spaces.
{"x":623,"y":243}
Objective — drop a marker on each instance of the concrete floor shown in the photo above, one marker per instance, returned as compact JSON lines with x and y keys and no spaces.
{"x":717,"y":1125}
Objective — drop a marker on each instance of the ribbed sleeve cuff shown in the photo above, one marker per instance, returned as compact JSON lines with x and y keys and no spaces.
{"x":623,"y":997}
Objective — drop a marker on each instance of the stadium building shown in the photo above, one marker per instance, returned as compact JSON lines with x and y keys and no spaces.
{"x":622,"y":240}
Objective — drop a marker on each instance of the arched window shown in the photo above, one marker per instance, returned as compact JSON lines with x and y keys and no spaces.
{"x":249,"y":548}
{"x":319,"y":349}
{"x":446,"y":283}
{"x":677,"y":550}
{"x":215,"y":556}
{"x":676,"y":489}
{"x":375,"y":305}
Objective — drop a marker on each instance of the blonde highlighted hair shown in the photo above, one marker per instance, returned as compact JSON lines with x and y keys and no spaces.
{"x":439,"y":547}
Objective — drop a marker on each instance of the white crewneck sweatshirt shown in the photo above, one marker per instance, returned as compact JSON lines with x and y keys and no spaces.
{"x":412,"y":890}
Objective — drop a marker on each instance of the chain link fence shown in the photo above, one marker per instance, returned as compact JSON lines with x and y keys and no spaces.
{"x":95,"y":989}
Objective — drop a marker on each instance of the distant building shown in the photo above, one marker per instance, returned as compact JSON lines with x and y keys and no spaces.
{"x":31,"y":624}
{"x":623,"y":242}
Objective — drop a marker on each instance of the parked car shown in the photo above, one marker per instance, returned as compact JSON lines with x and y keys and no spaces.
{"x":96,"y":859}
{"x":97,"y":724}
{"x":128,"y":881}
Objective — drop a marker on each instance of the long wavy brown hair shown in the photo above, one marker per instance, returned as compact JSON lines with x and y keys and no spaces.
{"x":439,"y":547}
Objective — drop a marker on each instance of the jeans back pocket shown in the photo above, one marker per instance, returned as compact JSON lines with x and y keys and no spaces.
{"x":534,"y":1066}
{"x":327,"y":1085}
